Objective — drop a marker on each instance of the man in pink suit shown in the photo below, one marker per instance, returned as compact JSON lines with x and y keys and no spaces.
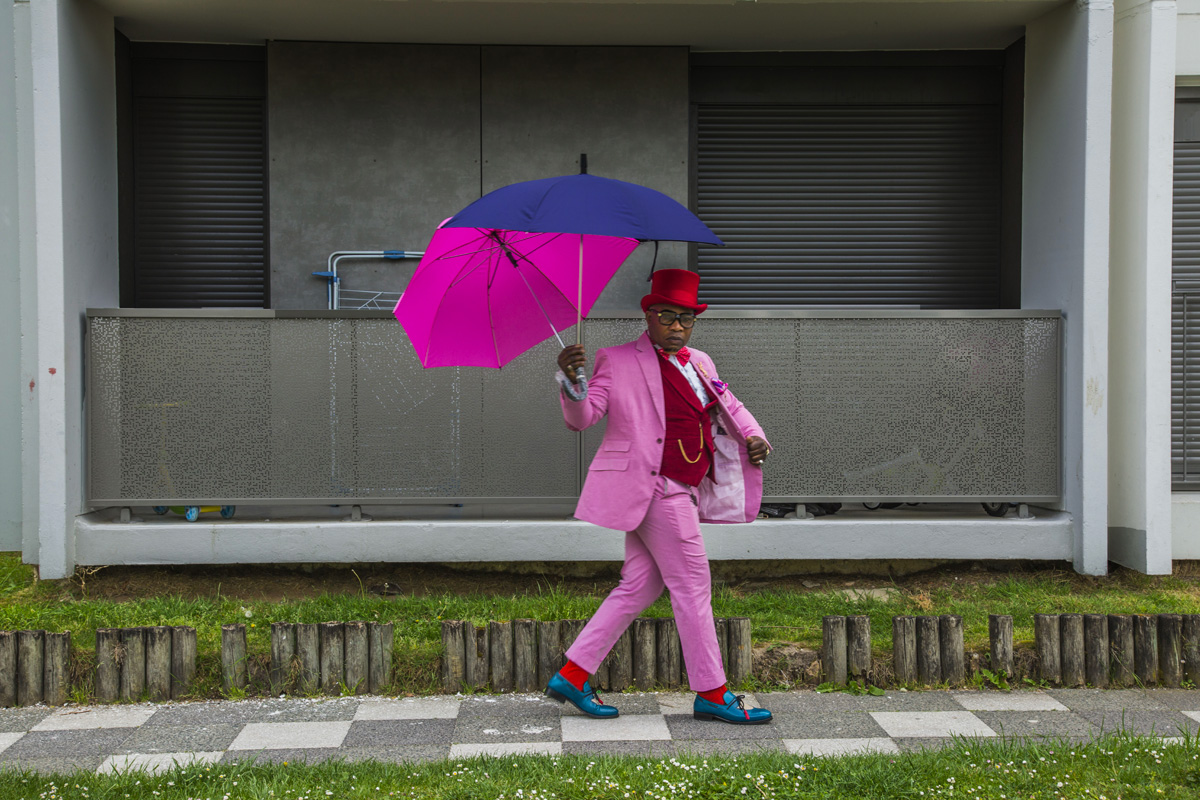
{"x":679,"y":449}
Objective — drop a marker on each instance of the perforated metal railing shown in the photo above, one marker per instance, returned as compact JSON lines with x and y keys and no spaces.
{"x":333,"y":407}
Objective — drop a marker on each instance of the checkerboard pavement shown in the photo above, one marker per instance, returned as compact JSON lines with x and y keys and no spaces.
{"x":151,"y":737}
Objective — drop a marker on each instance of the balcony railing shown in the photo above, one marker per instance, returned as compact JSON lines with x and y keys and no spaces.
{"x":318,"y":407}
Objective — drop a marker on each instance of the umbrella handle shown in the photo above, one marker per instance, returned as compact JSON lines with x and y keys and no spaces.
{"x":579,"y":390}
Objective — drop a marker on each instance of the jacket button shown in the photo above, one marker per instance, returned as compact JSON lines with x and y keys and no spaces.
{"x":652,"y":472}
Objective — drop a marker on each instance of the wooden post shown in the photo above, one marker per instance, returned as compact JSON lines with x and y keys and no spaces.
{"x":233,"y":657}
{"x":1000,"y":639}
{"x":620,"y":671}
{"x":500,"y":636}
{"x":1070,"y":642}
{"x":722,"y":625}
{"x":833,"y":649}
{"x":904,"y":649}
{"x":1095,"y":649}
{"x":549,"y":644}
{"x":183,"y":660}
{"x":1170,"y":649}
{"x":31,"y":663}
{"x":133,"y":663}
{"x":1145,"y":648}
{"x":1046,"y":638}
{"x":283,"y":650}
{"x":1120,"y":649}
{"x":668,"y":654}
{"x":525,"y":674}
{"x":158,"y":663}
{"x":56,"y":679}
{"x":454,"y":655}
{"x":1191,"y":647}
{"x":929,"y":651}
{"x":356,"y":652}
{"x":741,"y":652}
{"x":568,"y":632}
{"x":479,"y":659}
{"x":8,"y":669}
{"x":858,"y":647}
{"x":951,"y":649}
{"x":645,"y":653}
{"x":379,"y":654}
{"x":332,"y":639}
{"x":308,"y":653}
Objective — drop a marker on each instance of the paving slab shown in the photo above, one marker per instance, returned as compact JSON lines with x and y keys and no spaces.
{"x":647,"y":749}
{"x":79,"y":718}
{"x":7,"y":740}
{"x":1007,"y":701}
{"x":911,"y":724}
{"x":396,"y":755}
{"x":13,"y":720}
{"x":1106,"y":699}
{"x":290,"y":735}
{"x":684,"y":728}
{"x":408,"y":708}
{"x":154,"y":764}
{"x":180,"y":738}
{"x":840,"y":747}
{"x":332,"y":710}
{"x":310,"y":755}
{"x":826,"y":725}
{"x":1144,"y":722}
{"x":1038,"y":724}
{"x":501,"y":749}
{"x":631,"y":728}
{"x":206,"y":713}
{"x":1181,"y":699}
{"x":810,"y":701}
{"x":399,"y":733}
{"x":48,"y":766}
{"x":68,"y":745}
{"x":921,"y":744}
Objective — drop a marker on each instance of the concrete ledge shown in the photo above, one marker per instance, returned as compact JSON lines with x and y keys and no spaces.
{"x":100,"y":540}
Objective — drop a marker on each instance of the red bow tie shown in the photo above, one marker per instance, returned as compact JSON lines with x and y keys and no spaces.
{"x":683,"y":354}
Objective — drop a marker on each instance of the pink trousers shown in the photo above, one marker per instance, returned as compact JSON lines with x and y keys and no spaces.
{"x":665,"y":550}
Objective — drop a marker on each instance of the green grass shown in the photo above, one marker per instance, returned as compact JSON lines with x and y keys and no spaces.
{"x":778,"y":615}
{"x":1113,"y":768}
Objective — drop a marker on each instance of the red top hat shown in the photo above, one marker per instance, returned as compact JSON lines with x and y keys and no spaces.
{"x":676,"y":287}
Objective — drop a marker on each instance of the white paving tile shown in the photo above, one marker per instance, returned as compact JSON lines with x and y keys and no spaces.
{"x":7,"y":740}
{"x":839,"y":747}
{"x":289,"y":735}
{"x":409,"y":708}
{"x":82,"y":719}
{"x":631,"y":728}
{"x":506,"y":749}
{"x":903,"y":724}
{"x":681,"y":703}
{"x":1193,"y":714}
{"x":1008,"y":701}
{"x":155,"y":763}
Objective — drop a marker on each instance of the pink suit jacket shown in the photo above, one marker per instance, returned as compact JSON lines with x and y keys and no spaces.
{"x":627,"y":388}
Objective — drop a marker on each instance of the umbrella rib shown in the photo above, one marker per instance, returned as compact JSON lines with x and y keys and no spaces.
{"x":512,"y":257}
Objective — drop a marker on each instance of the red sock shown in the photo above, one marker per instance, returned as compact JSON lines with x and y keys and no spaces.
{"x":715,"y":695}
{"x":575,"y":674}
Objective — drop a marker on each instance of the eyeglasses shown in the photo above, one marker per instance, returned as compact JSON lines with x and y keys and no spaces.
{"x":667,"y":318}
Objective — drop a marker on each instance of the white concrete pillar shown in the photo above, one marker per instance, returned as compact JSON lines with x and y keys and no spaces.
{"x":1064,"y":252}
{"x":1139,"y":350}
{"x":10,"y":299}
{"x":75,"y":189}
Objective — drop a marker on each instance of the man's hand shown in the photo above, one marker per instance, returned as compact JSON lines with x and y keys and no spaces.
{"x":756,"y":447}
{"x":570,"y":359}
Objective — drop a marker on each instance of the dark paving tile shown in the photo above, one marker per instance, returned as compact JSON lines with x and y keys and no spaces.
{"x":727,"y":747}
{"x":396,"y":755}
{"x":508,"y":722}
{"x":808,"y":701}
{"x":1154,"y":722}
{"x":1036,"y":724}
{"x":523,"y":706}
{"x":709,"y":730}
{"x":917,"y":745}
{"x":1181,"y":699}
{"x":1106,"y":699}
{"x":400,"y":733}
{"x":826,"y":725}
{"x":67,"y":745}
{"x":180,"y":738}
{"x":55,"y":766}
{"x":309,"y":755}
{"x":628,"y":703}
{"x":333,"y":709}
{"x":222,"y":712}
{"x":15,"y":720}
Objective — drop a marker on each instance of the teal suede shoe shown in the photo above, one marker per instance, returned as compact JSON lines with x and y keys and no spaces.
{"x":586,"y":700}
{"x":733,"y":712}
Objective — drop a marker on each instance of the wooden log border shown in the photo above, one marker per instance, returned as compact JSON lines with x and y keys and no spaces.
{"x":156,"y":663}
{"x":522,"y":655}
{"x":354,"y":657}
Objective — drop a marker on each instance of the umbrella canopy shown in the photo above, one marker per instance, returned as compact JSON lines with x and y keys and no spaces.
{"x":585,"y":204}
{"x":482,"y":296}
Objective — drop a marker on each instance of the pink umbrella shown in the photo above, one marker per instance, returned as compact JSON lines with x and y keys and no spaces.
{"x":480,"y":297}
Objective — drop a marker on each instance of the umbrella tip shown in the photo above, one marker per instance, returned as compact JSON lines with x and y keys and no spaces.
{"x":583,"y":163}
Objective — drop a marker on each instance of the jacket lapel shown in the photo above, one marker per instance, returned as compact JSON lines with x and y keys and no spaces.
{"x":648,"y":361}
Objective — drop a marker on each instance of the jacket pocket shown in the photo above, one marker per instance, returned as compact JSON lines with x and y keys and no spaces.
{"x":599,"y":463}
{"x":616,"y":445}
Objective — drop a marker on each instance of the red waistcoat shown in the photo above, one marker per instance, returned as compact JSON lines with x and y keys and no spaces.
{"x":687,"y":447}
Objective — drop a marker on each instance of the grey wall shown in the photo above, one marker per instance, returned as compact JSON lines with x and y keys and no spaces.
{"x":373,"y":145}
{"x":10,"y":309}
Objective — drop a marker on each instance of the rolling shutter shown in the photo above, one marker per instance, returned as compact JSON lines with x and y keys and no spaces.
{"x":850,"y":204}
{"x":1185,"y":299}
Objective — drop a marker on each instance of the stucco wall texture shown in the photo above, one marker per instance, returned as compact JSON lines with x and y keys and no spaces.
{"x":372,"y":145}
